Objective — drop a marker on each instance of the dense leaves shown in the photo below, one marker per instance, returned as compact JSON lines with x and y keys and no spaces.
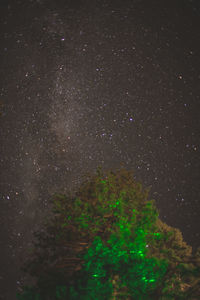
{"x":107,"y":242}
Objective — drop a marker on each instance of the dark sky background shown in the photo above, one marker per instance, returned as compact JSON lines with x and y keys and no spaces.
{"x":95,"y":82}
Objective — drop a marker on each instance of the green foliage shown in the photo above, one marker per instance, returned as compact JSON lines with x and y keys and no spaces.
{"x":126,"y":261}
{"x":107,"y":242}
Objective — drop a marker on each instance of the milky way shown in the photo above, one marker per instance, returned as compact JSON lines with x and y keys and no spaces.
{"x":89,"y":83}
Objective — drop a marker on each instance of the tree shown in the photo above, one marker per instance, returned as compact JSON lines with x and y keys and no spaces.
{"x":107,"y":242}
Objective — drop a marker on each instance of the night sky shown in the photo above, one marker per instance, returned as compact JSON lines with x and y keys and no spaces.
{"x":89,"y":83}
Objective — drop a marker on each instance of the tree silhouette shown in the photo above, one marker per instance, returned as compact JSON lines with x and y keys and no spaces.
{"x":107,"y":242}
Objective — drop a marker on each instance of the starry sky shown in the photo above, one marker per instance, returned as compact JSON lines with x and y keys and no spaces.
{"x":89,"y":83}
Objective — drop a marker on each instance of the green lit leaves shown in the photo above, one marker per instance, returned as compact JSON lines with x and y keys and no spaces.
{"x":83,"y":220}
{"x":103,"y":181}
{"x":66,"y":222}
{"x":114,"y":204}
{"x":127,"y":260}
{"x":61,"y":292}
{"x":157,"y":235}
{"x":77,"y":203}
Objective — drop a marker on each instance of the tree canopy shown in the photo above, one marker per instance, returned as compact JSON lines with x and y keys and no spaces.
{"x":107,"y":242}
